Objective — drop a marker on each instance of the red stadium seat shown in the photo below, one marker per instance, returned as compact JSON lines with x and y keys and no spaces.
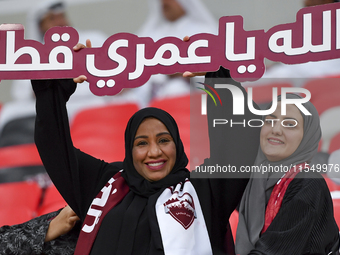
{"x":52,"y":195}
{"x":325,"y":101}
{"x":334,"y":143}
{"x":20,"y":193}
{"x":52,"y":201}
{"x":336,"y":206}
{"x":322,"y":87}
{"x":13,"y":216}
{"x":51,"y":208}
{"x":99,"y":131}
{"x":19,"y":155}
{"x":330,"y":184}
{"x":330,"y":126}
{"x":18,"y":196}
{"x":264,"y":93}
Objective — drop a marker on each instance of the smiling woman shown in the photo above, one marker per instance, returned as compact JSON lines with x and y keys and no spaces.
{"x":281,"y":134}
{"x":154,"y":150}
{"x":147,"y":204}
{"x":287,"y":212}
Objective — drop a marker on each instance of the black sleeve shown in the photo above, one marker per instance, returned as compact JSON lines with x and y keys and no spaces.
{"x":64,"y":244}
{"x":74,"y":173}
{"x":304,"y":223}
{"x":230,"y":145}
{"x":29,"y":238}
{"x":25,"y":238}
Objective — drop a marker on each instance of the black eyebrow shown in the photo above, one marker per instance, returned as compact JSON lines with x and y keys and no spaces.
{"x":145,"y":136}
{"x":163,"y":133}
{"x":141,"y":136}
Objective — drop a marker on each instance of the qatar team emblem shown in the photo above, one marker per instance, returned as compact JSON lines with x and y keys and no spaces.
{"x":181,"y":208}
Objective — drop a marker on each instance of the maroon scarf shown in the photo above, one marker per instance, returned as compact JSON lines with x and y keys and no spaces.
{"x":111,"y":194}
{"x":276,"y":197}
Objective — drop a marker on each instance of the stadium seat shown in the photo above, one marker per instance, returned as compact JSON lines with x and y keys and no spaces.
{"x":99,"y":131}
{"x":336,"y":206}
{"x":52,"y":201}
{"x":323,"y":86}
{"x":20,"y":198}
{"x":334,"y":143}
{"x":16,"y":215}
{"x":331,"y":185}
{"x":18,"y":131}
{"x":51,"y":208}
{"x":19,"y":155}
{"x":20,"y":173}
{"x":263,"y":94}
{"x":330,"y":126}
{"x":326,"y":101}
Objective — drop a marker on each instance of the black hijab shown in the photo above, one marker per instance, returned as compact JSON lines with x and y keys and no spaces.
{"x":137,"y":183}
{"x":132,"y":225}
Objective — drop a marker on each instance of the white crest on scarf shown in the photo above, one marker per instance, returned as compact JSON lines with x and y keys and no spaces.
{"x":188,"y":237}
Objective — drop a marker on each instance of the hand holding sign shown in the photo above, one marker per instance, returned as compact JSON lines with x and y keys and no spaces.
{"x":79,"y":46}
{"x":188,"y":74}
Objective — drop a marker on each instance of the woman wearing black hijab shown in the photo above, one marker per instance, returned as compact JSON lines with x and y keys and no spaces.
{"x":124,"y":212}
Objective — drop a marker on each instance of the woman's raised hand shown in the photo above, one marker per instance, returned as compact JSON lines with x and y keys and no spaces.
{"x":78,"y":47}
{"x":61,"y":224}
{"x":188,"y":74}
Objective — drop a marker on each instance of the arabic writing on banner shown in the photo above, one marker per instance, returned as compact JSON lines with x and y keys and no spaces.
{"x":127,"y":61}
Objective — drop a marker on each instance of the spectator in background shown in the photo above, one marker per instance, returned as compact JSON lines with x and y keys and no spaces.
{"x":178,"y":18}
{"x":43,"y":16}
{"x":17,"y":117}
{"x":290,"y":211}
{"x":318,"y":2}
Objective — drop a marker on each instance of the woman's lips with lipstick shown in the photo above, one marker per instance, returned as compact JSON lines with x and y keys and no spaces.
{"x":156,"y":165}
{"x":275,"y":141}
